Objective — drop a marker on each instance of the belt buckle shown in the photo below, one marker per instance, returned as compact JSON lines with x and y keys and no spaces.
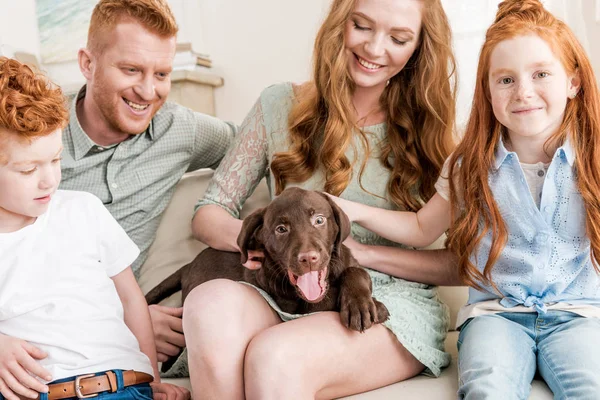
{"x":78,"y":387}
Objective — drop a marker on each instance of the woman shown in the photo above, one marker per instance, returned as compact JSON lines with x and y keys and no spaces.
{"x":374,"y":126}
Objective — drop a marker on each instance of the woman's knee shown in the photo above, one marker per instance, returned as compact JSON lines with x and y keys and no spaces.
{"x":276,"y":367}
{"x":213,"y":300}
{"x":224,"y":314}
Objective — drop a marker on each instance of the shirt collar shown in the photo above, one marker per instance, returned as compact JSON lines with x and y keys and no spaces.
{"x":81,"y":141}
{"x":567,"y":150}
{"x":502,"y":153}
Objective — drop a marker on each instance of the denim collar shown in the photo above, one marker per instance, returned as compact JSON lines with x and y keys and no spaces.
{"x":502,"y":153}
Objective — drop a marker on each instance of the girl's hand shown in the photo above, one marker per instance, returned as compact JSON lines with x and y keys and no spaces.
{"x":351,"y":208}
{"x":19,"y":369}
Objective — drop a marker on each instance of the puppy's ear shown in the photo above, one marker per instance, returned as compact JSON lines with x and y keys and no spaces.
{"x":250,"y":226}
{"x":342,"y":220}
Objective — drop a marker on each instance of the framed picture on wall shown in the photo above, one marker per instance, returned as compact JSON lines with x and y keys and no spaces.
{"x":63,"y":26}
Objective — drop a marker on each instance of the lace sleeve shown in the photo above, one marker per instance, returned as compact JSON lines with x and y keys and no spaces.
{"x":244,"y":165}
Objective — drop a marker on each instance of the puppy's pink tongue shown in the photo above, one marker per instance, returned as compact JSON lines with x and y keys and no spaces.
{"x":309,"y":285}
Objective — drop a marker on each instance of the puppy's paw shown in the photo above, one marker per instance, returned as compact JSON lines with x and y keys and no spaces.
{"x":359,"y":313}
{"x":382,"y":312}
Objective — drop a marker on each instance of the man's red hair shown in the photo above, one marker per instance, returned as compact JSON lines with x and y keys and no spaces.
{"x":153,"y":15}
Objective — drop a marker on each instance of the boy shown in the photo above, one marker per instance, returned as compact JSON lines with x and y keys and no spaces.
{"x":70,"y":308}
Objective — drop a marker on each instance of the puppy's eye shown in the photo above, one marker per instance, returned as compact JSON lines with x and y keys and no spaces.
{"x":320,"y":220}
{"x":281,"y":229}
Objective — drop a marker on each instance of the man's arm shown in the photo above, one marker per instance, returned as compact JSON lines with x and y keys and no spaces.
{"x":211,"y":141}
{"x":137,"y":318}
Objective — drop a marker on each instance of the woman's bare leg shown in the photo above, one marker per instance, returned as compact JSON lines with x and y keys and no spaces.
{"x":317,"y":357}
{"x":220,"y":318}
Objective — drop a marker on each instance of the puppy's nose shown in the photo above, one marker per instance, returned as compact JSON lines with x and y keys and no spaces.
{"x":308,"y":258}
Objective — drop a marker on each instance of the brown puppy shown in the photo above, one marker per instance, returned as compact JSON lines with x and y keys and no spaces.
{"x":306,"y":267}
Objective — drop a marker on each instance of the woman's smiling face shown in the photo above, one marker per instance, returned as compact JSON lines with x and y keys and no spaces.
{"x":380,"y":38}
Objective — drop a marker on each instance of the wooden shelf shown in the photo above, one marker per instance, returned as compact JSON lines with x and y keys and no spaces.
{"x":195,"y":89}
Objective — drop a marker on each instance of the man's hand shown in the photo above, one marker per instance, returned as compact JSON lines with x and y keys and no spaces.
{"x":166,"y":391}
{"x":168,"y":330}
{"x":255,"y":258}
{"x":19,"y":369}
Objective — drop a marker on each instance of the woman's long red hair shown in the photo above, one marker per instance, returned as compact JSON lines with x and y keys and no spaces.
{"x":419,"y":102}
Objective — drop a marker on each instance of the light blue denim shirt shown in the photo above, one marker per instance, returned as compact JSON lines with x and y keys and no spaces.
{"x":547,"y":256}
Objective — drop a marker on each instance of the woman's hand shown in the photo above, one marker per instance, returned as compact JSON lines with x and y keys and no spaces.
{"x":357,"y":249}
{"x":255,"y":258}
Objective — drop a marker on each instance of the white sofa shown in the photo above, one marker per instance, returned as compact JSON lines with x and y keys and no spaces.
{"x":174,"y":247}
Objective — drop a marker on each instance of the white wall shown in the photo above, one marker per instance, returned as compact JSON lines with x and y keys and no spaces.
{"x":18,"y":27}
{"x":257,"y":43}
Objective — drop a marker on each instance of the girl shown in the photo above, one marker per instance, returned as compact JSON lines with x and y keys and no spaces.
{"x":525,"y":213}
{"x":379,"y":116}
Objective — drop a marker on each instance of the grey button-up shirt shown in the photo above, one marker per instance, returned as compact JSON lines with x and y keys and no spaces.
{"x":135,"y":179}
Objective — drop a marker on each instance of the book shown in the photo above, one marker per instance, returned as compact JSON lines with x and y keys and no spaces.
{"x":187,"y":58}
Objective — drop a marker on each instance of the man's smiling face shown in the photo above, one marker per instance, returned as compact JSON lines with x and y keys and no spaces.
{"x":130,"y":77}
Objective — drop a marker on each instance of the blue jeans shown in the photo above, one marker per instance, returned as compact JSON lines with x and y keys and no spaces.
{"x":142,"y":391}
{"x":499,"y":355}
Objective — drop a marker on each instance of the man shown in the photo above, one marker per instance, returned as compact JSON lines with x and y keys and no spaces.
{"x":124,"y":143}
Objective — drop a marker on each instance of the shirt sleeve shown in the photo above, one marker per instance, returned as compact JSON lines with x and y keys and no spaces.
{"x":117,"y":251}
{"x":211,"y":141}
{"x":245,"y":164}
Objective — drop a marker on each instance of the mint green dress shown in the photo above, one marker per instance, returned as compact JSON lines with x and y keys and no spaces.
{"x":418,"y":318}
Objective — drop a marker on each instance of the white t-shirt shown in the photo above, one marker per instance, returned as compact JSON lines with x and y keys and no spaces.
{"x":56,"y":290}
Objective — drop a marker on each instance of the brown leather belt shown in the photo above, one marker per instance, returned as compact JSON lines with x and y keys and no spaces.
{"x":85,"y":386}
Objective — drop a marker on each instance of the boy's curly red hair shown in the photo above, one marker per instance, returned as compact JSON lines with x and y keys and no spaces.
{"x":30,"y":105}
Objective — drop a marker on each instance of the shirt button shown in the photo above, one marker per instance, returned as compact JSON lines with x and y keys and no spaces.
{"x":541,"y":173}
{"x":547,"y":209}
{"x":99,"y":148}
{"x":114,"y":186}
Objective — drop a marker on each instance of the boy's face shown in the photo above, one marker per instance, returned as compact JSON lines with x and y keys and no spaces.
{"x":29,"y":177}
